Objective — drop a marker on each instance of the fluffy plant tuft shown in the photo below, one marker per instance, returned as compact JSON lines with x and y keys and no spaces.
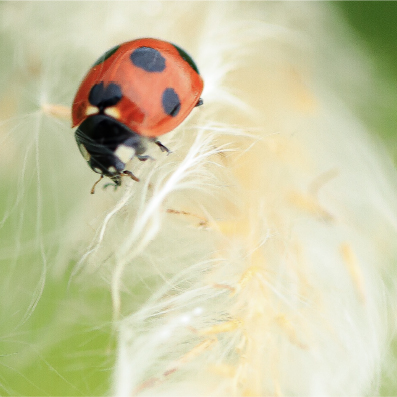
{"x":256,"y":259}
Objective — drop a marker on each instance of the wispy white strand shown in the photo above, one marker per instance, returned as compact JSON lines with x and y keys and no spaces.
{"x":101,"y":233}
{"x":255,"y":260}
{"x":147,"y":224}
{"x":43,"y":274}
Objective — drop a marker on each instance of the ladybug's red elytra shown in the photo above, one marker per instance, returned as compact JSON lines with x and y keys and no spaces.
{"x":133,"y":93}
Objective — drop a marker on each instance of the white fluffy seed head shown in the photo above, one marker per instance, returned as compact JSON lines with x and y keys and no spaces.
{"x":252,"y":260}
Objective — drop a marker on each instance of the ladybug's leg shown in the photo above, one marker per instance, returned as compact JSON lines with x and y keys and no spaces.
{"x":111,"y":184}
{"x":144,"y":158}
{"x":96,"y":183}
{"x":117,"y":179}
{"x":162,"y":147}
{"x":116,"y":182}
{"x":130,"y":174}
{"x":199,"y":102}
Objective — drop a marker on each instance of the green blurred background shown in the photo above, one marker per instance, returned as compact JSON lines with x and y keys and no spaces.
{"x":375,"y":24}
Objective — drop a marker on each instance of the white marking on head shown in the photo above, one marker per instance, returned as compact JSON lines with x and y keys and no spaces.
{"x":98,"y":170}
{"x":84,"y":152}
{"x":112,"y":112}
{"x":125,"y":153}
{"x":112,"y":169}
{"x":91,"y":110}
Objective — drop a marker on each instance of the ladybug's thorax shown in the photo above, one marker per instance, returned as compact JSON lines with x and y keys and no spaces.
{"x":107,"y":144}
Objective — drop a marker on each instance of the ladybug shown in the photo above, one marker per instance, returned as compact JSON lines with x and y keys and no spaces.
{"x":134,"y":92}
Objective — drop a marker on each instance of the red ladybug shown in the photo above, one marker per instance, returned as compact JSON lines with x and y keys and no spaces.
{"x":132,"y":94}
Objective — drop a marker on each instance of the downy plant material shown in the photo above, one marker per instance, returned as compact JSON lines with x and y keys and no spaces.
{"x":256,"y":259}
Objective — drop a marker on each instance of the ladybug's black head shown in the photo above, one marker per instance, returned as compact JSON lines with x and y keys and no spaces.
{"x":108,"y":145}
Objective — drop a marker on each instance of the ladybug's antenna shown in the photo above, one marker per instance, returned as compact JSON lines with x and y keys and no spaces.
{"x":130,"y":174}
{"x":96,"y":183}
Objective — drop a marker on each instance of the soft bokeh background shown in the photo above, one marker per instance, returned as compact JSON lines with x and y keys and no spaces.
{"x":52,"y":342}
{"x":374,"y":24}
{"x":375,"y":29}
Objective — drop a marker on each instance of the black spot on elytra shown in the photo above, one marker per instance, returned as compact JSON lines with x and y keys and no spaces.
{"x":106,"y":55}
{"x":170,"y":101}
{"x":103,"y":97}
{"x":148,"y":59}
{"x":187,"y":58}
